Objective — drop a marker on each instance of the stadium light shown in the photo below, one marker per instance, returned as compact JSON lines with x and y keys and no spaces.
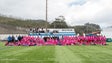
{"x":46,"y":14}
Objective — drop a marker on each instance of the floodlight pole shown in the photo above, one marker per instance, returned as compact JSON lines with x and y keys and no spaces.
{"x":46,"y":13}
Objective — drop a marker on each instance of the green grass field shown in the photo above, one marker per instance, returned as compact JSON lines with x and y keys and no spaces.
{"x":56,"y":54}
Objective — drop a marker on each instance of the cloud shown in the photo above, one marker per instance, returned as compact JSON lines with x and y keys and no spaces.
{"x":78,"y":2}
{"x":92,"y":11}
{"x":76,"y":12}
{"x":24,"y":8}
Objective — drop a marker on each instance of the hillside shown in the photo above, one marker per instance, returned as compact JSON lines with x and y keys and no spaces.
{"x":9,"y":25}
{"x":21,"y":22}
{"x":8,"y":29}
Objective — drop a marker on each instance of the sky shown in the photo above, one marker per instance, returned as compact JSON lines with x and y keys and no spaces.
{"x":76,"y":12}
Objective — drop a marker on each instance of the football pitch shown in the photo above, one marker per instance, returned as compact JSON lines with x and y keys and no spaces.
{"x":56,"y":54}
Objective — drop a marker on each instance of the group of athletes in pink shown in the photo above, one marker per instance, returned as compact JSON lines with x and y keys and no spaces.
{"x":65,"y":40}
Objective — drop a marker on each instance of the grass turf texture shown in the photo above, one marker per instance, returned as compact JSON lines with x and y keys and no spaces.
{"x":56,"y":54}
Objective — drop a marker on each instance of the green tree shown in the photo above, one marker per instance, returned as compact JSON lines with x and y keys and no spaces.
{"x":87,"y":28}
{"x":90,"y":27}
{"x":59,"y":23}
